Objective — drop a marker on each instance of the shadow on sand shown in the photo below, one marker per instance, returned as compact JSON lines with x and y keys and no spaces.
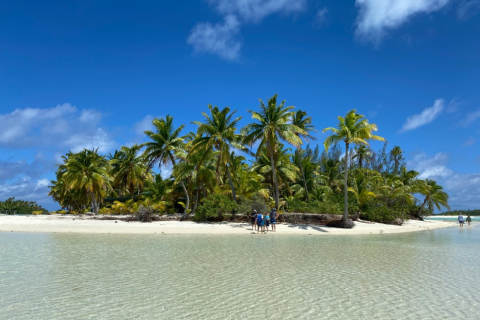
{"x":307,"y":227}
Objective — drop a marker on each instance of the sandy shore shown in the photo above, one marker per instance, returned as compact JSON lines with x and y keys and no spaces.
{"x":75,"y":224}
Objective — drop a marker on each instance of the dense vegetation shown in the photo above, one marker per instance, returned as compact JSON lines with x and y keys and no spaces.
{"x":212,"y":178}
{"x":472,"y":212}
{"x":11,"y":206}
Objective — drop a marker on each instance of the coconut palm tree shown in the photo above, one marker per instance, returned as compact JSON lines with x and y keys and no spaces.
{"x":353,"y":129}
{"x":218,"y":133}
{"x":303,"y":122}
{"x":88,"y":173}
{"x":396,"y":156}
{"x":129,"y":170}
{"x":274,"y":124}
{"x":434,"y":196}
{"x":166,"y":145}
{"x":362,"y":153}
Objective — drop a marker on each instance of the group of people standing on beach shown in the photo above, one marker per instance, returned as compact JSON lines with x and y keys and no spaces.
{"x":261,"y":222}
{"x":461,"y":220}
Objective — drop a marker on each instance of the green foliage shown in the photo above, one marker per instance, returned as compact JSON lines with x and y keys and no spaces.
{"x":327,"y":207}
{"x":256,"y":202}
{"x":214,"y":208}
{"x":20,"y":207}
{"x":472,"y":212}
{"x":379,"y":212}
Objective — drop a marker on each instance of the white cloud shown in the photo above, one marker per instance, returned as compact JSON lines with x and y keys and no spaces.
{"x":470,"y":118}
{"x":464,"y":190}
{"x":220,"y":39}
{"x":59,"y":127}
{"x":376,"y":17}
{"x":256,"y":10}
{"x":468,"y":9}
{"x":19,"y":125}
{"x":223,"y":39}
{"x":144,"y":125}
{"x":28,"y":189}
{"x":425,"y":117}
{"x":431,"y":168}
{"x":320,"y":18}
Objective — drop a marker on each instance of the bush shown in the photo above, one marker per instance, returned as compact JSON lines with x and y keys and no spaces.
{"x":327,"y":207}
{"x":379,"y":212}
{"x":214,"y":208}
{"x":256,"y":202}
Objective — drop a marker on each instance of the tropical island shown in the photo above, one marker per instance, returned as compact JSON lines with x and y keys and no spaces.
{"x":222,"y":172}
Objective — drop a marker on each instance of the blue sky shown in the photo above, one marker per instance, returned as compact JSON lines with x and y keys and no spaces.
{"x":83,"y":74}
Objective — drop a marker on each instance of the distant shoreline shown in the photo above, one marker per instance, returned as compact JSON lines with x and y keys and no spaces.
{"x":86,"y":224}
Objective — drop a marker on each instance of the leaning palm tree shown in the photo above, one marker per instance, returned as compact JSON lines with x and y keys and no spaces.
{"x":305,"y":123}
{"x":166,"y":144}
{"x":353,"y":129}
{"x":434,"y":196}
{"x":274,"y":124}
{"x":218,"y":133}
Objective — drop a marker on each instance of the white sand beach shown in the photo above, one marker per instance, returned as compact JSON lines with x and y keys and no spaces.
{"x":85,"y":224}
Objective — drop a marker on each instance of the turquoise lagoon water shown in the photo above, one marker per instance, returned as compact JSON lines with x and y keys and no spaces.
{"x":423,"y":275}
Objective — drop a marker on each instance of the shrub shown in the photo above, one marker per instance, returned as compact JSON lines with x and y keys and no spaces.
{"x":37,"y":212}
{"x":256,"y":202}
{"x":214,"y":208}
{"x":379,"y":212}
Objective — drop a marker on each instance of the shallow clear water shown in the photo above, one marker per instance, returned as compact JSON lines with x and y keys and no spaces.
{"x":423,"y":275}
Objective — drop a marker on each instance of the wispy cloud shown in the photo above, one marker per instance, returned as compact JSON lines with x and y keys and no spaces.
{"x":377,"y":17}
{"x":256,"y":10}
{"x":467,"y":9}
{"x":470,"y":118}
{"x":425,"y":117}
{"x":469,"y":141}
{"x":223,"y":39}
{"x":320,"y":19}
{"x":220,"y":39}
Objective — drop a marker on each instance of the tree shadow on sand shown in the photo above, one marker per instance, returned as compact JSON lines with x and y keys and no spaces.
{"x":307,"y":226}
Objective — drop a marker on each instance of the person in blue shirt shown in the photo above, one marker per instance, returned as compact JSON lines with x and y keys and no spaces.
{"x":267,"y":221}
{"x":260,"y":223}
{"x":460,"y":220}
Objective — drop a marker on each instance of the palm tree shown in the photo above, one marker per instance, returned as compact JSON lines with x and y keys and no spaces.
{"x":396,"y":155}
{"x":88,"y":173}
{"x":165,"y":146}
{"x":129,"y":170}
{"x":218,"y":133}
{"x":354,"y":128}
{"x":434,"y":196}
{"x":300,"y":120}
{"x":362,"y":153}
{"x":273,"y":125}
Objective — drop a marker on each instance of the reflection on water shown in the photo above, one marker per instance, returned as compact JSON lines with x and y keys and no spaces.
{"x":424,"y":275}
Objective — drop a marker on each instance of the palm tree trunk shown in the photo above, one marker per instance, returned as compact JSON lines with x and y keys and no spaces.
{"x":187,"y":201}
{"x":303,"y":177}
{"x":196,"y":200}
{"x":231,"y":184}
{"x":423,"y":206}
{"x":345,"y":180}
{"x":275,"y":182}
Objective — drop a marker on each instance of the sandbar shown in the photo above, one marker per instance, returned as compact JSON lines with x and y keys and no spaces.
{"x":83,"y":224}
